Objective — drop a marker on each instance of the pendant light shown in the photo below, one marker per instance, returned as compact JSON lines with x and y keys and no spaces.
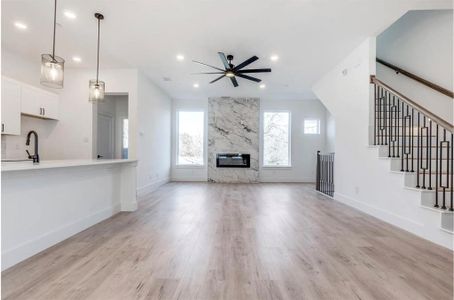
{"x":52,"y":66}
{"x":97,"y":87}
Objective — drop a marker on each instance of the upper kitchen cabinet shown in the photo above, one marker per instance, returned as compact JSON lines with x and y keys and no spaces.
{"x":11,"y":106}
{"x":39,"y":103}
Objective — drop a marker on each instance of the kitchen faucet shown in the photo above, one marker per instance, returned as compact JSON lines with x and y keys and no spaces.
{"x":35,"y":156}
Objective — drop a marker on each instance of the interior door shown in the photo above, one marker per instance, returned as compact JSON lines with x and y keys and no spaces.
{"x":105,"y":136}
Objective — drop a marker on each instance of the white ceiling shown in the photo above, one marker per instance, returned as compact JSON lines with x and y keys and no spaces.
{"x":310,"y":37}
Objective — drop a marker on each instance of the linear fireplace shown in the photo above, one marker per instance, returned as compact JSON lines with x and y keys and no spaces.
{"x":233,"y":160}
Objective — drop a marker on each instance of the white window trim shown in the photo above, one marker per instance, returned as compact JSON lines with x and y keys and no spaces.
{"x":312,"y":119}
{"x":262,"y":139}
{"x":177,"y":140}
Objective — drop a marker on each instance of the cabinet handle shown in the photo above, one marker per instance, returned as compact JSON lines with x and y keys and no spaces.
{"x":44,"y":111}
{"x":40,"y":111}
{"x":3,"y":127}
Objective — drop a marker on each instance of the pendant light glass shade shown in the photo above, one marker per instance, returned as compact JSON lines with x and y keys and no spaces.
{"x":52,"y":71}
{"x":96,"y":90}
{"x":52,"y":66}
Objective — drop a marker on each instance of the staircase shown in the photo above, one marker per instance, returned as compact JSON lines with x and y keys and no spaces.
{"x":418,"y":144}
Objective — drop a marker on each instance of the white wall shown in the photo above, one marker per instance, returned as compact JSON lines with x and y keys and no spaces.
{"x":303,"y":147}
{"x":362,"y":180}
{"x":420,"y":42}
{"x":189,"y":173}
{"x":154,"y":128}
{"x":330,"y":132}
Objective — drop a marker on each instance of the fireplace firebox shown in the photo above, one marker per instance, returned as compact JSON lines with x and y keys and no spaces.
{"x":233,"y":160}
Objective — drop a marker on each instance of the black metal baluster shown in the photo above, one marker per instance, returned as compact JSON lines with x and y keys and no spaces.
{"x":402,"y":137}
{"x":424,"y":131}
{"x":451,"y":173}
{"x":443,"y":186}
{"x":398,"y":126}
{"x":429,"y":145}
{"x":436,"y":167}
{"x":317,"y":174}
{"x":394,"y":120}
{"x":412,"y":140}
{"x":418,"y":153}
{"x":386,"y":118}
{"x":407,"y":143}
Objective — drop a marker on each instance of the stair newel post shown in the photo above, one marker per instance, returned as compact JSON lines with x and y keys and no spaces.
{"x":436,"y":166}
{"x":429,"y":146}
{"x":317,"y":176}
{"x":451,"y":173}
{"x":375,"y":114}
{"x":418,"y":153}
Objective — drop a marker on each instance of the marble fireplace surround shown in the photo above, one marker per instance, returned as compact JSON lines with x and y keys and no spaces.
{"x":233,"y":127}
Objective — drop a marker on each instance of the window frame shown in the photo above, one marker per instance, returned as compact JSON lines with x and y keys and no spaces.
{"x":177,"y":139}
{"x":262,"y":138}
{"x":318,"y":126}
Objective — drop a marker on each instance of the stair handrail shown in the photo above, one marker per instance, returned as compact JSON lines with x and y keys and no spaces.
{"x":417,"y":78}
{"x":443,"y":123}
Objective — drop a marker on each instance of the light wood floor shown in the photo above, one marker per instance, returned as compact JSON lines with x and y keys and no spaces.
{"x":215,"y":241}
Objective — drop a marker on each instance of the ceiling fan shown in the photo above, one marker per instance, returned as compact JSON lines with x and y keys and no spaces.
{"x":231,"y":71}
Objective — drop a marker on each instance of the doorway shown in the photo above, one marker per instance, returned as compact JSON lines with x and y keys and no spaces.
{"x":112,"y":139}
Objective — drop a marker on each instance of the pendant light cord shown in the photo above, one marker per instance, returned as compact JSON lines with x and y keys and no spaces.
{"x":55,"y":28}
{"x":97,"y":59}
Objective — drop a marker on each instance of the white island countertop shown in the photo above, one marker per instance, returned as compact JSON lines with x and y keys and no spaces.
{"x":52,"y":164}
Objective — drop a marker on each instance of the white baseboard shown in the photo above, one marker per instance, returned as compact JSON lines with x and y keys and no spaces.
{"x":189,"y":179}
{"x":151,"y":187}
{"x":286,"y":179}
{"x":10,"y":257}
{"x":432,"y":234}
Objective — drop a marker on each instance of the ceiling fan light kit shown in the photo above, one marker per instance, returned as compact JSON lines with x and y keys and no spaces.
{"x":231,"y":71}
{"x":52,"y":66}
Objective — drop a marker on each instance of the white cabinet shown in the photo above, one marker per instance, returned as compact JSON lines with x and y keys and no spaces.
{"x":11,"y":107}
{"x":39,"y":103}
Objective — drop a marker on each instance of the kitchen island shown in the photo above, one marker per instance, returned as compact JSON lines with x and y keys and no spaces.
{"x":45,"y":203}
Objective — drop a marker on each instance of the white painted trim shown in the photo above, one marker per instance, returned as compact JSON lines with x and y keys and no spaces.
{"x":10,"y":257}
{"x":439,"y":237}
{"x":151,"y":187}
{"x":281,"y":179}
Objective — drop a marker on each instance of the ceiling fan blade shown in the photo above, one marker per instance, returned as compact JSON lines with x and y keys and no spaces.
{"x":224,"y":60}
{"x":234,"y":82}
{"x":248,"y":77}
{"x":208,"y":65}
{"x":254,"y":71}
{"x":207,"y":73}
{"x":246,"y":62}
{"x":217,"y":79}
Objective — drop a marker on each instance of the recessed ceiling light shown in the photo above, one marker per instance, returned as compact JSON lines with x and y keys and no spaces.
{"x":77,"y":59}
{"x":262,"y":86}
{"x":69,"y":14}
{"x":196,"y":85}
{"x":20,"y":25}
{"x":274,"y":57}
{"x":180,"y":57}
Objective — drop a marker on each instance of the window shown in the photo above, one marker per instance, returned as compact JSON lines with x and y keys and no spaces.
{"x":276,"y":139}
{"x":311,"y":126}
{"x":125,"y":142}
{"x":190,"y":137}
